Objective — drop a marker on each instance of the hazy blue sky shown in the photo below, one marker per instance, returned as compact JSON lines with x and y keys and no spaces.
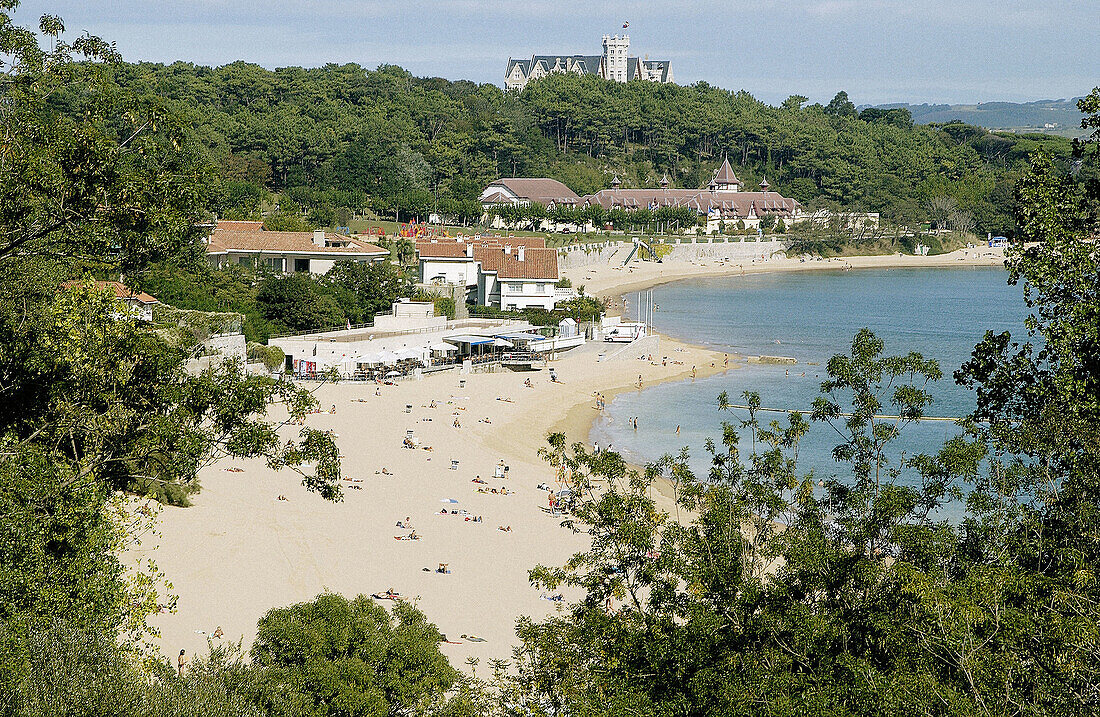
{"x":878,"y":50}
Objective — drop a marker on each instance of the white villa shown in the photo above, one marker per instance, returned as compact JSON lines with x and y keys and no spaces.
{"x":285,"y":252}
{"x":614,"y":64}
{"x":723,"y":201}
{"x":519,"y":274}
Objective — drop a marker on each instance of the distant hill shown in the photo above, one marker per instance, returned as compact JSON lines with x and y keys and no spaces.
{"x":1050,"y":116}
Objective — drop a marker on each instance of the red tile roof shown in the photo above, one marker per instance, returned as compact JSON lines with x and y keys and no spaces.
{"x":222,"y":241}
{"x":537,"y":263}
{"x":235,"y":226}
{"x":541,"y":190}
{"x":450,"y":248}
{"x":120,"y":290}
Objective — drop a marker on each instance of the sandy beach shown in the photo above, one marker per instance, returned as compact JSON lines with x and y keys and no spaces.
{"x":240,"y":550}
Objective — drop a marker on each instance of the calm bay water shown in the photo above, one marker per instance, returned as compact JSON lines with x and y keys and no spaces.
{"x":941,"y":313}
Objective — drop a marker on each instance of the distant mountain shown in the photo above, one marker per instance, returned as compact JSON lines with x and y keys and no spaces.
{"x":1051,"y":116}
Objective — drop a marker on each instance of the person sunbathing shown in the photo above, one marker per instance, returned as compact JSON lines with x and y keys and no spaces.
{"x":478,"y":480}
{"x":505,"y":528}
{"x":386,"y":471}
{"x":282,"y":497}
{"x":484,"y":420}
{"x":443,"y":569}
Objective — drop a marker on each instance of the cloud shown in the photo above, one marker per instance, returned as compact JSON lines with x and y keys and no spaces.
{"x":877,"y":50}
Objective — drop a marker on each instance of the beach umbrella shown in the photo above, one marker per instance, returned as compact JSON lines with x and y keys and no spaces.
{"x":448,"y":500}
{"x":371,"y":358}
{"x":502,"y":343}
{"x":407,"y":354}
{"x":387,"y":357}
{"x":392,"y":374}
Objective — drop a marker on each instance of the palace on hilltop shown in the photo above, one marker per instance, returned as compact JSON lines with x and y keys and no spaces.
{"x":614,"y":64}
{"x":723,"y":201}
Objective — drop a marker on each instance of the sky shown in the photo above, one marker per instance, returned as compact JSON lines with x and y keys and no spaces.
{"x":879,"y":51}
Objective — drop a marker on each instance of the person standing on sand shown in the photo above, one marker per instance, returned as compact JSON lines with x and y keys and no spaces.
{"x":181,"y":662}
{"x":692,"y":373}
{"x":677,"y":430}
{"x":595,"y":446}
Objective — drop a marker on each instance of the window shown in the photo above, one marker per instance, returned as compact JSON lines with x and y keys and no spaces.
{"x":274,"y":263}
{"x":542,"y":288}
{"x":301,"y":265}
{"x":515,"y":288}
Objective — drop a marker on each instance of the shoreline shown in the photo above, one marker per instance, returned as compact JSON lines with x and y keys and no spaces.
{"x":606,"y":281}
{"x":240,"y":550}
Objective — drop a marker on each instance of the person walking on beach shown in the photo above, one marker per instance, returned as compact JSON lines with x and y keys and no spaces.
{"x":639,"y":380}
{"x":181,"y":662}
{"x":692,"y":373}
{"x":677,"y":430}
{"x":595,"y":446}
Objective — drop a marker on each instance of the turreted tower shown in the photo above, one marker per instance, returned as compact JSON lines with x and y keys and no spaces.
{"x":615,"y":51}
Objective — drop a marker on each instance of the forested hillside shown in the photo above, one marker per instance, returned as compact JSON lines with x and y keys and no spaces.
{"x":338,"y":140}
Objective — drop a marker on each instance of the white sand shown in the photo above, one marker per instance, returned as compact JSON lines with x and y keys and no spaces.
{"x":239,"y":551}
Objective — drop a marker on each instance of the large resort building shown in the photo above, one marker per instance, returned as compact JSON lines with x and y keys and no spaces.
{"x":723,"y":201}
{"x":614,"y":64}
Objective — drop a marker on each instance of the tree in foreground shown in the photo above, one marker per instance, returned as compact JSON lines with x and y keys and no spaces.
{"x":96,"y":406}
{"x":771,"y":592}
{"x":334,"y":656}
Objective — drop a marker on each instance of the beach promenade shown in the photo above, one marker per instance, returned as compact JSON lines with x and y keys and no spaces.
{"x":241,"y":550}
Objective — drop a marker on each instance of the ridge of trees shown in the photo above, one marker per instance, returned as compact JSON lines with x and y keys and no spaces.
{"x":342,"y":140}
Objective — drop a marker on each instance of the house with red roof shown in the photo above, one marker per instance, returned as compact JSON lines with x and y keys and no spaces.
{"x":139,"y":304}
{"x":512,"y":273}
{"x":285,"y":252}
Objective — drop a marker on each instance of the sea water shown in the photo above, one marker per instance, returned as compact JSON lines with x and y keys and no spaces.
{"x":809,"y":316}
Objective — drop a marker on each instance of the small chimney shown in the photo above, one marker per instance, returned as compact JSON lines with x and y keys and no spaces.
{"x":507,"y":248}
{"x":319,"y":237}
{"x":519,"y":252}
{"x":470,"y":250}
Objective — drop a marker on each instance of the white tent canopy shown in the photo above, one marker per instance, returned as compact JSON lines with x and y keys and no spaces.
{"x":446,"y":348}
